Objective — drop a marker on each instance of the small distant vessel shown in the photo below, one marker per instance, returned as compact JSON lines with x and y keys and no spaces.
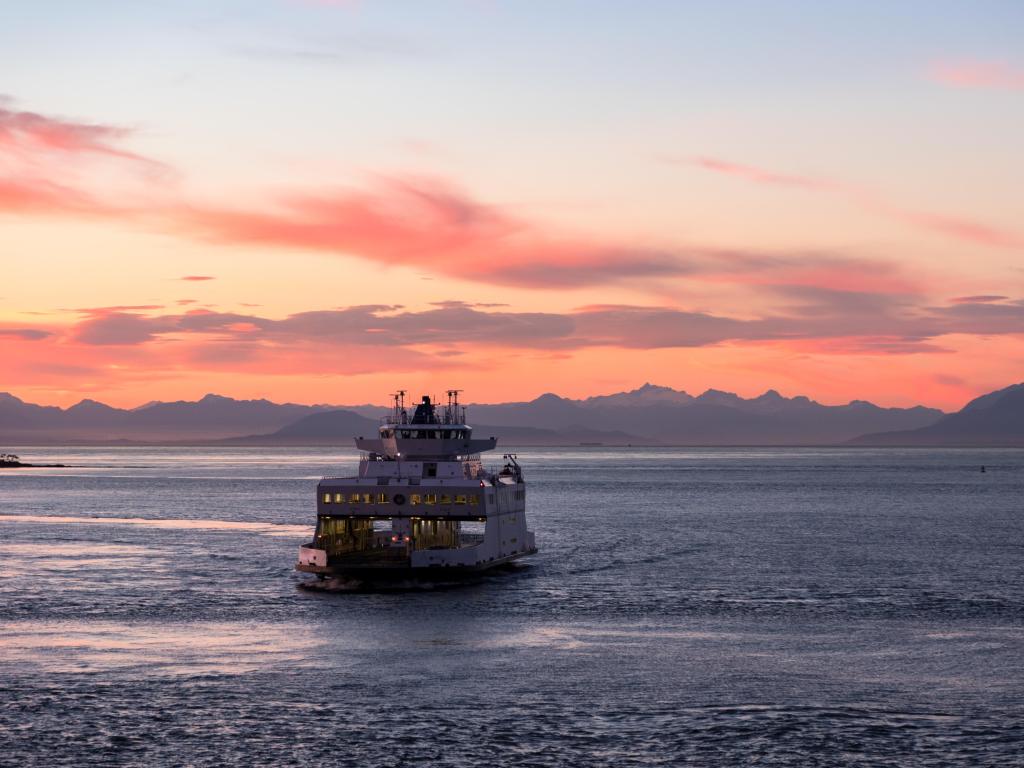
{"x":423,"y":504}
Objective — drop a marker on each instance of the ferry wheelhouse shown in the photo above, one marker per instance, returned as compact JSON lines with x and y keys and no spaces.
{"x":422,"y":503}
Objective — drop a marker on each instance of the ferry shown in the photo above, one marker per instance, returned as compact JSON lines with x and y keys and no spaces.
{"x":423,"y":503}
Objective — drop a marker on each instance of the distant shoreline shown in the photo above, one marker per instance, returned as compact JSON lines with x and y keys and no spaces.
{"x":23,"y":465}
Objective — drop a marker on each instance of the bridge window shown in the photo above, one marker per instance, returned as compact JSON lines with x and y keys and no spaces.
{"x":460,"y":498}
{"x":382,"y":498}
{"x":431,"y":498}
{"x":339,"y":498}
{"x":367,"y":498}
{"x":415,"y":499}
{"x":446,"y":499}
{"x":473,"y":499}
{"x":327,"y":498}
{"x":353,"y":498}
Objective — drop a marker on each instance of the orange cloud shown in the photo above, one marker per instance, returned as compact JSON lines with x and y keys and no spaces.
{"x":34,"y":195}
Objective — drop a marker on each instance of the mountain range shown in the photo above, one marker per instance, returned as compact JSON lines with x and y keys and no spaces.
{"x":995,"y":419}
{"x":89,"y":421}
{"x":649,"y":415}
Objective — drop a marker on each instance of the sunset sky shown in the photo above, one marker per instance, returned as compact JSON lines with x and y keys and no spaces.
{"x":324,"y":201}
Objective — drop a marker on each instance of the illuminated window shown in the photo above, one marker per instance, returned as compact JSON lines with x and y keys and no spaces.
{"x":327,"y":498}
{"x":473,"y":499}
{"x":367,"y":498}
{"x":415,"y":499}
{"x":353,"y":498}
{"x":431,"y":498}
{"x":446,"y":499}
{"x":460,"y":499}
{"x":382,"y":498}
{"x":339,"y":498}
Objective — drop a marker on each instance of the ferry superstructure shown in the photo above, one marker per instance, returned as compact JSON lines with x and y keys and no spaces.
{"x":423,"y":503}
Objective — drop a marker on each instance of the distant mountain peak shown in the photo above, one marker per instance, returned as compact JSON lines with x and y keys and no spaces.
{"x":212,"y":398}
{"x":644,"y":395}
{"x":549,"y":397}
{"x":647,"y":387}
{"x":719,"y":397}
{"x":88,"y":404}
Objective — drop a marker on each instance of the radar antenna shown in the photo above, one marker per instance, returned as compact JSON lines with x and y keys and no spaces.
{"x":399,"y":398}
{"x":452,"y":412}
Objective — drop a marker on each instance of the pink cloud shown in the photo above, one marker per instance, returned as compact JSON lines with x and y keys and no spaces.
{"x":429,"y":225}
{"x":432,"y":226}
{"x":29,"y":132}
{"x":998,"y":75}
{"x":982,"y":299}
{"x":956,"y":227}
{"x":962,"y":229}
{"x":53,"y":166}
{"x":760,"y":175}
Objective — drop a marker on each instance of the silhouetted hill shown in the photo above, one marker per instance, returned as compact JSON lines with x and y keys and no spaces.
{"x":340,"y":426}
{"x":713,"y":418}
{"x":647,"y":415}
{"x":326,"y":428}
{"x":89,"y":421}
{"x":995,"y":419}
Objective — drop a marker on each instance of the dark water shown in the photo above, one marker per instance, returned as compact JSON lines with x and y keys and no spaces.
{"x":688,"y":607}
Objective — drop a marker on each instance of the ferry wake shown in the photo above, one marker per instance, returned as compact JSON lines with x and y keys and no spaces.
{"x":422,"y":505}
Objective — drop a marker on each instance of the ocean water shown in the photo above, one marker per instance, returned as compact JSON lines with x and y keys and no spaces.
{"x":796,"y":607}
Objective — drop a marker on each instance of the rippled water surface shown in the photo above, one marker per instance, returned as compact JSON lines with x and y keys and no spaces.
{"x":687,"y":607}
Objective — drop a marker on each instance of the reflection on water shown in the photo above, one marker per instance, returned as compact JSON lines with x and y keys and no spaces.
{"x":149,"y":649}
{"x":266,"y":529}
{"x":723,"y":607}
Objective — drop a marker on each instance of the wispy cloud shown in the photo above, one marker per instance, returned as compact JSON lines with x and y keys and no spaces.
{"x":433,"y":226}
{"x":981,"y":299}
{"x":29,"y":132}
{"x":954,"y":226}
{"x":761,"y":175}
{"x":977,"y":74}
{"x":46,"y":165}
{"x":430,"y":225}
{"x":28,"y":334}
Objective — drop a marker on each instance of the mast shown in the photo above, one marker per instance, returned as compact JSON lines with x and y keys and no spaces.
{"x":452,"y":411}
{"x":399,"y":414}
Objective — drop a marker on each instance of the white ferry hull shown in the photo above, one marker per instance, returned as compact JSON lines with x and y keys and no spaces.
{"x":423,"y":505}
